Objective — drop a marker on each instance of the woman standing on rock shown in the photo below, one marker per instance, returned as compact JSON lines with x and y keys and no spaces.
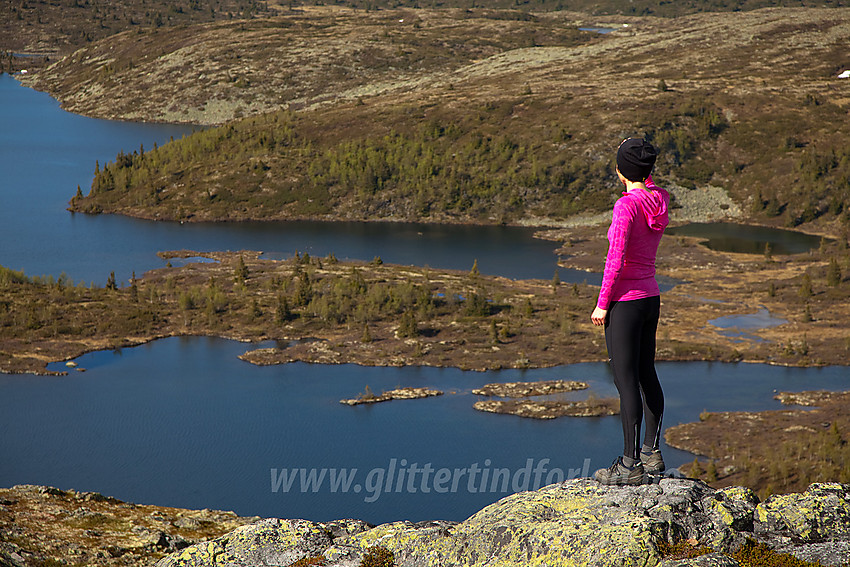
{"x":628,"y":307}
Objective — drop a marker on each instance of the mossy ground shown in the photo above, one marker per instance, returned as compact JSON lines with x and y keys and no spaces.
{"x":751,"y":554}
{"x":66,"y":527}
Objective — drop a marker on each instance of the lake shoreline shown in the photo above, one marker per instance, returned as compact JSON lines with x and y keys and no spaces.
{"x":711,"y":285}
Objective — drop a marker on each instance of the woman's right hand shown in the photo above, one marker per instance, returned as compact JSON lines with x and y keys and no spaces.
{"x":598,"y":316}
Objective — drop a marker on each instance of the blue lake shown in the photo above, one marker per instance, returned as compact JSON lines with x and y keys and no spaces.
{"x":45,"y":153}
{"x":183,"y":422}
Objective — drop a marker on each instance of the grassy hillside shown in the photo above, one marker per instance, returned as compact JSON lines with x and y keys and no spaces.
{"x":50,"y":26}
{"x":215,"y":72}
{"x":517,"y":123}
{"x":54,"y":28}
{"x":664,"y":8}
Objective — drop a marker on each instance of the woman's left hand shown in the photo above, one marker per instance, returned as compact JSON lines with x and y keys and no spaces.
{"x":598,"y":316}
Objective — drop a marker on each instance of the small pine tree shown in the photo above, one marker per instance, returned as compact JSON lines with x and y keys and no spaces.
{"x":367,"y":336}
{"x":240,"y":274}
{"x":304,"y":292}
{"x":711,"y":472}
{"x":556,"y":281}
{"x":696,"y":469}
{"x":283,"y":313}
{"x":185,"y":301}
{"x":407,"y":326}
{"x":833,"y":273}
{"x":134,"y":289}
{"x":806,"y":286}
{"x":476,"y":305}
{"x":474,"y":271}
{"x":110,"y":282}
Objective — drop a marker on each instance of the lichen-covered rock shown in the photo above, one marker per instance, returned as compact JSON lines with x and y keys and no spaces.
{"x":715,"y":517}
{"x":834,"y":552}
{"x":821,"y":512}
{"x":267,"y":542}
{"x":577,"y":522}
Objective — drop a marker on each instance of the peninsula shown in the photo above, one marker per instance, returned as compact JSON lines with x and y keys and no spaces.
{"x":376,"y":314}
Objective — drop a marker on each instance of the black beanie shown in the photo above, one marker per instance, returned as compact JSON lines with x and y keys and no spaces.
{"x":635,"y":159}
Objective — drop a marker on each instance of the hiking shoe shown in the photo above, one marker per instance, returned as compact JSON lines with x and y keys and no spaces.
{"x":620,"y":474}
{"x":653,"y":463}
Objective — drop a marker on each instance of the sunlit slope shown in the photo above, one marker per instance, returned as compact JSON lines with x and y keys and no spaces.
{"x":506,"y":129}
{"x":214,"y":72}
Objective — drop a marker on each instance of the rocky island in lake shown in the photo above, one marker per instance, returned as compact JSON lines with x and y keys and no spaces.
{"x":397,"y":394}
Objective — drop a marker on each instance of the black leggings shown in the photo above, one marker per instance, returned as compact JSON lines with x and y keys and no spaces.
{"x":630,"y":336}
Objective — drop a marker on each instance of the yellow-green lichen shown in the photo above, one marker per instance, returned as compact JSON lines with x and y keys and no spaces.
{"x":545,"y":528}
{"x":807,"y":515}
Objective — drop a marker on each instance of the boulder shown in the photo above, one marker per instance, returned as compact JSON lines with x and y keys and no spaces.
{"x":266,"y":542}
{"x":820,"y":513}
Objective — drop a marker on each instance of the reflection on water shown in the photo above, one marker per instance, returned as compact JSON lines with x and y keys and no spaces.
{"x":747,"y":239}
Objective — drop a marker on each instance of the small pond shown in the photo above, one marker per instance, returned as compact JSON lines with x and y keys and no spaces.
{"x":748,"y":239}
{"x":738,"y":325}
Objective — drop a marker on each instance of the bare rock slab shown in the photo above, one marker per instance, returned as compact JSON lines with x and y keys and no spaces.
{"x":576,"y":522}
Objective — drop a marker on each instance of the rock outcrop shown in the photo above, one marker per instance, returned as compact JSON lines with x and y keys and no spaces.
{"x":577,"y":522}
{"x":44,"y":525}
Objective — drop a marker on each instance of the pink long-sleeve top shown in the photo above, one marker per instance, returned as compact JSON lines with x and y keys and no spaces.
{"x":640,"y":217}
